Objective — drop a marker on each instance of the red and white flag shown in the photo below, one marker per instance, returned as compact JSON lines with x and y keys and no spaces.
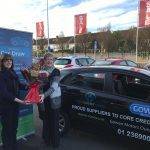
{"x":80,"y":24}
{"x":40,"y":29}
{"x":144,"y":14}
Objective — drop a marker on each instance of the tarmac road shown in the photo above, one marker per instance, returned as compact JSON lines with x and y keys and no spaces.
{"x":79,"y":140}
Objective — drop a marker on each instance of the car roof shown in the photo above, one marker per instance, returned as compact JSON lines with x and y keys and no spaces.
{"x":112,"y":67}
{"x":71,"y":57}
{"x":112,"y":59}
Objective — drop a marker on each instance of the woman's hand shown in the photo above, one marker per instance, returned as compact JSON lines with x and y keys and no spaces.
{"x":27,"y":103}
{"x":22,"y":101}
{"x":42,"y":98}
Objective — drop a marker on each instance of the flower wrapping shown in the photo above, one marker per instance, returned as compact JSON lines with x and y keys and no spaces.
{"x":33,"y":94}
{"x":35,"y":77}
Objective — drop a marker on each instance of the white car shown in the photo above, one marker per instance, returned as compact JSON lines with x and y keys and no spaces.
{"x":72,"y":61}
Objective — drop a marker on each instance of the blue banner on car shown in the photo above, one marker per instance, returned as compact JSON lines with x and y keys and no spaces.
{"x":139,"y":109}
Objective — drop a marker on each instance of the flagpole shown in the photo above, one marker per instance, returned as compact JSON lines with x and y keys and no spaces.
{"x":47,"y":26}
{"x":36,"y":39}
{"x":36,"y":47}
{"x":74,"y":45}
{"x":74,"y":36}
{"x":137,"y":32}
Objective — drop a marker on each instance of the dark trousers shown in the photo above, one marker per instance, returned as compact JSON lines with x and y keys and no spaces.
{"x":9,"y":121}
{"x":51,"y":127}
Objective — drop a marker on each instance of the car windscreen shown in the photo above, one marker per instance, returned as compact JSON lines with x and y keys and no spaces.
{"x":64,"y":73}
{"x":90,"y":61}
{"x":98,"y":63}
{"x":147,"y":66}
{"x":62,"y":61}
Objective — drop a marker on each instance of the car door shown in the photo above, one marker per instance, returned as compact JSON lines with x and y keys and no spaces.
{"x":129,"y":105}
{"x":85,"y":94}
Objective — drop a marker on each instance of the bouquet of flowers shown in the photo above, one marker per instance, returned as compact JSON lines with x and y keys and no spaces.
{"x":35,"y":77}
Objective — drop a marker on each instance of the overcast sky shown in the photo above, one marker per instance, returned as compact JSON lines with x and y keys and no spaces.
{"x":23,"y":14}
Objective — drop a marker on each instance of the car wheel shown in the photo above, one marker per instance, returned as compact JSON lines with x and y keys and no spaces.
{"x":64,"y":123}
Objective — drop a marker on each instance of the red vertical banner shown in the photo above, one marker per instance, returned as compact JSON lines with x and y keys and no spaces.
{"x":144,"y":13}
{"x":40,"y":29}
{"x":80,"y":24}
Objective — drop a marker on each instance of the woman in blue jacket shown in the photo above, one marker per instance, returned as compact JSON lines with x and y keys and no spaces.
{"x":9,"y":102}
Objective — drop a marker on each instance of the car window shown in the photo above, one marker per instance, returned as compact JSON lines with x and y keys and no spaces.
{"x":88,"y":80}
{"x":90,"y":61}
{"x":62,"y":61}
{"x":98,"y":63}
{"x":131,"y":63}
{"x":131,"y":86}
{"x":81,"y":61}
{"x":123,"y":63}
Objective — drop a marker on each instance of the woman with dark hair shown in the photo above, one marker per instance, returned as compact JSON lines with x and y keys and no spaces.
{"x":52,"y":102}
{"x":9,"y":102}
